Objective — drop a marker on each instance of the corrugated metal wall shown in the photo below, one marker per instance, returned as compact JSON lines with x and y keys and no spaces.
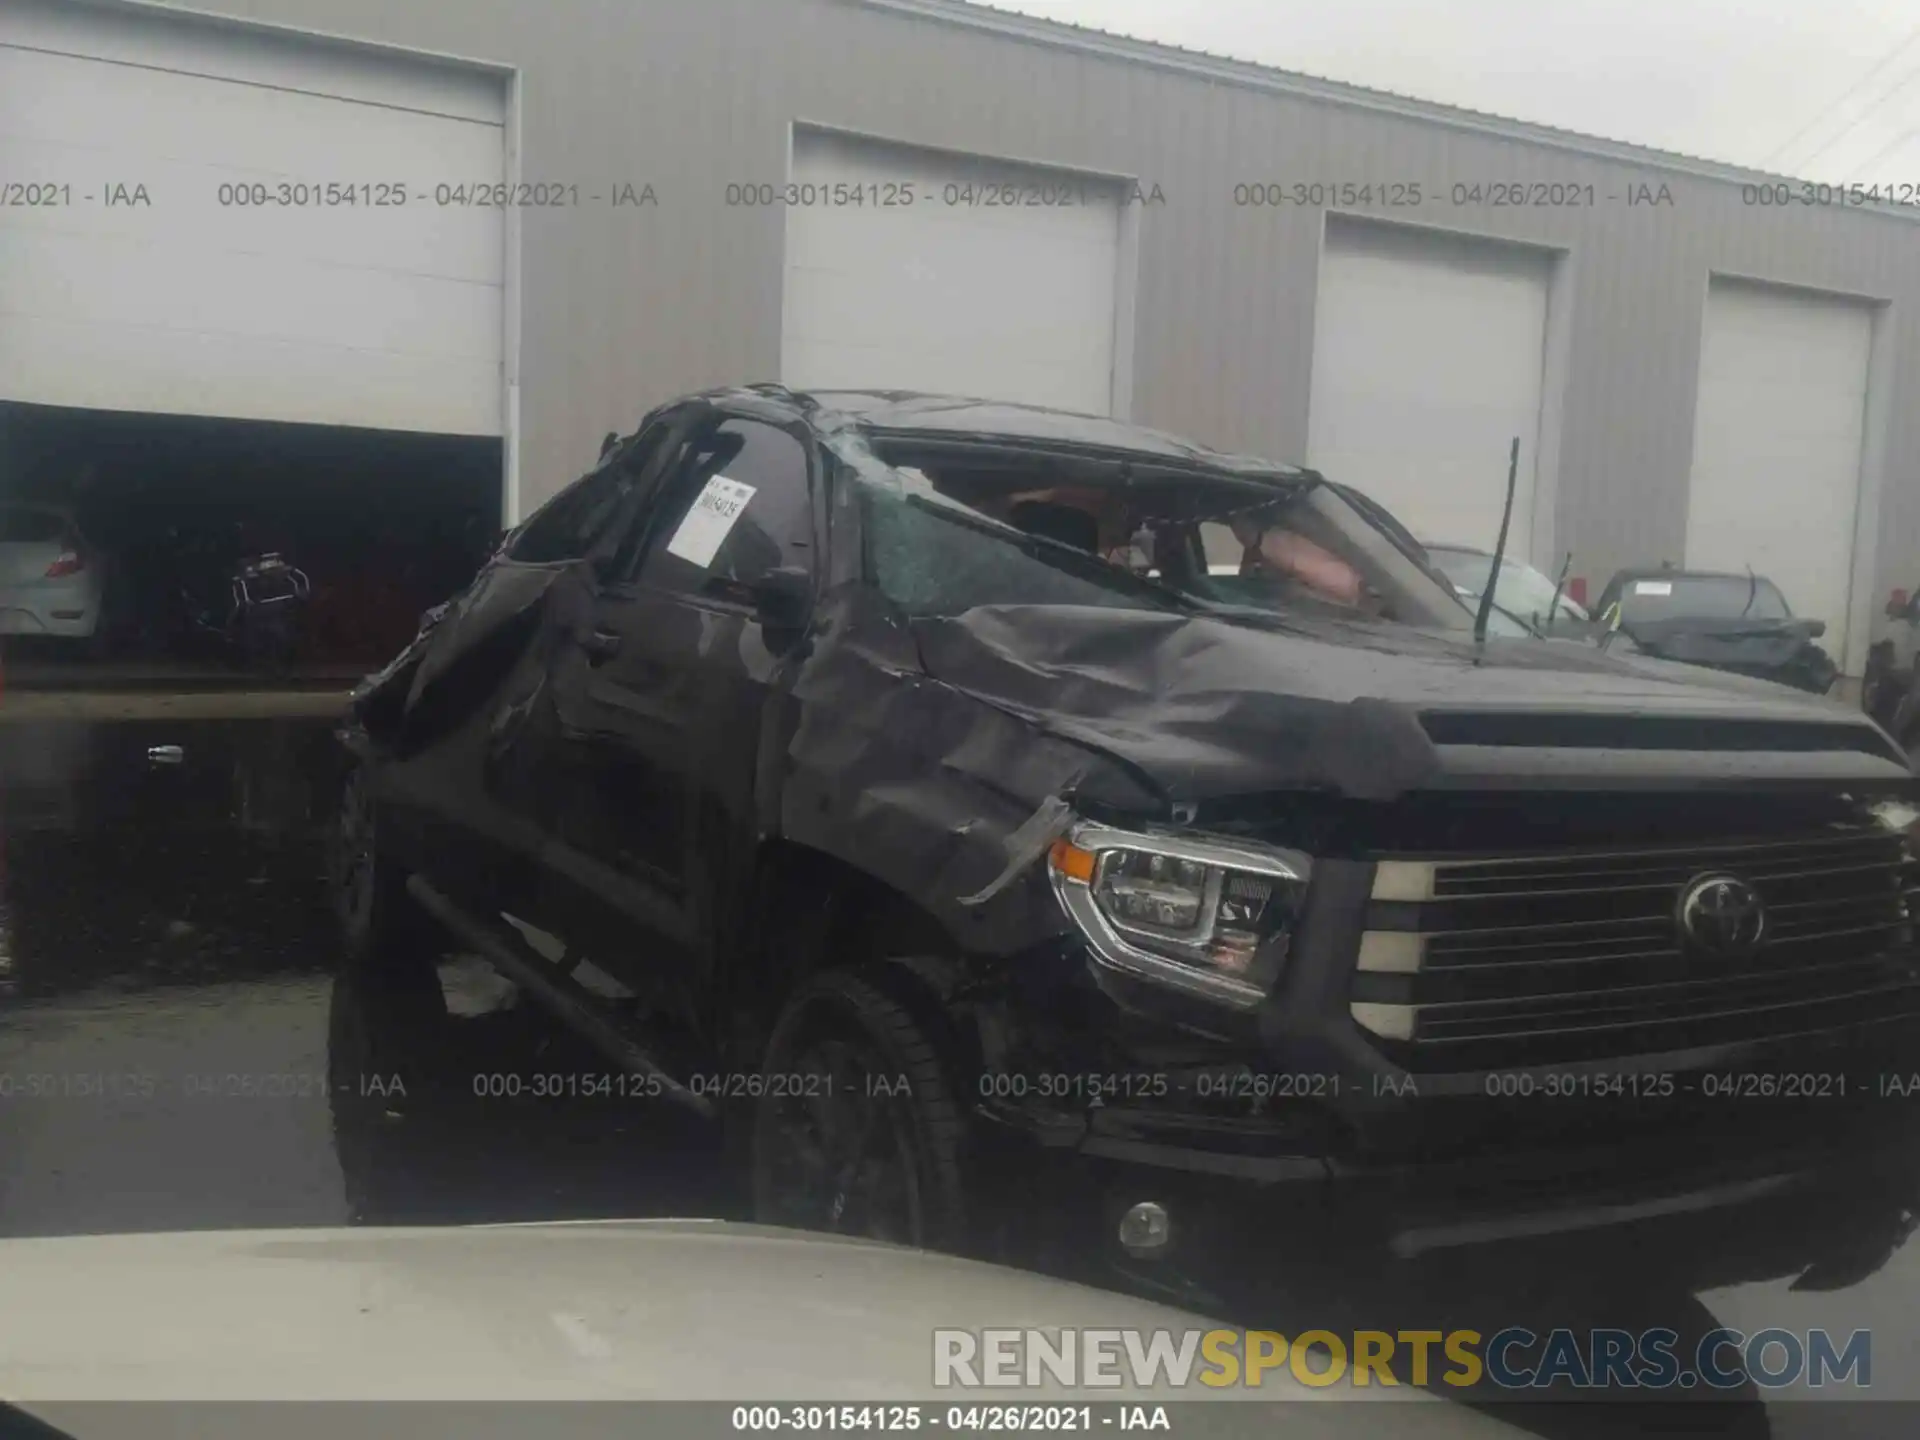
{"x":623,"y":309}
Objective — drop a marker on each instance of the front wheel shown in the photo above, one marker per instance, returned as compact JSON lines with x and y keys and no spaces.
{"x":855,"y":1129}
{"x":390,"y":947}
{"x":380,"y":925}
{"x":389,"y":1036}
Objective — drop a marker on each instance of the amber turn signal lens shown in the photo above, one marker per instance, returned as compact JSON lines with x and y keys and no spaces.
{"x":1071,"y":861}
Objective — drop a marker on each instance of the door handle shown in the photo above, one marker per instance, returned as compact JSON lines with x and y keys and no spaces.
{"x":600,"y":645}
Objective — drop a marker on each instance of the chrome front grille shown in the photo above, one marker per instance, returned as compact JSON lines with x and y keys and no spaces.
{"x":1579,"y":955}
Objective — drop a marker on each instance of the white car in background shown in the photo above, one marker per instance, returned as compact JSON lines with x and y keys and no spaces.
{"x":52,"y":581}
{"x":1523,"y":592}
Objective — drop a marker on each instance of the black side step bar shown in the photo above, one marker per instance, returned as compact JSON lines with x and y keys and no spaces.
{"x":502,"y":947}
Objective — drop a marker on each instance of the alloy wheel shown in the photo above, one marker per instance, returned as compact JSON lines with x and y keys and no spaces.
{"x":838,"y":1150}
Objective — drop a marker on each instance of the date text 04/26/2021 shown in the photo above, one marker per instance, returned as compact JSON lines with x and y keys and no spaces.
{"x":397,"y":194}
{"x":975,"y":1419}
{"x":55,"y":194}
{"x":151,"y":1085}
{"x":1375,"y":194}
{"x":953,"y":195}
{"x":1706,"y":1085}
{"x":722,"y":1085}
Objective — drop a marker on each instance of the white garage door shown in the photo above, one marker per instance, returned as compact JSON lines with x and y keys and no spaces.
{"x":955,"y":275}
{"x":1777,"y":441}
{"x":1428,"y":357}
{"x":144,"y":280}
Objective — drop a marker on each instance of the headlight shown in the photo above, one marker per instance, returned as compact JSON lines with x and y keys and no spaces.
{"x":1898,"y":816}
{"x":1904,"y":819}
{"x":1212,"y":918}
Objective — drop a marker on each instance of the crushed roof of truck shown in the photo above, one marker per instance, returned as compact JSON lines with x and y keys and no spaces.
{"x":909,"y":414}
{"x":1632,"y":577}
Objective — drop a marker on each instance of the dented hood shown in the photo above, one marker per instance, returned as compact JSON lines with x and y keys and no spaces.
{"x":1758,"y":643}
{"x":1209,"y":707}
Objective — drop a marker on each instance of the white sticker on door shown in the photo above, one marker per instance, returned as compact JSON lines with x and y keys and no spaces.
{"x":711,"y":519}
{"x":1653,"y":587}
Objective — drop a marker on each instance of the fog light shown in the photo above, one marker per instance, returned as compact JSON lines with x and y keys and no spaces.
{"x":1145,"y":1229}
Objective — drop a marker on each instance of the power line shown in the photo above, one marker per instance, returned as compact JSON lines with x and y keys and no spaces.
{"x":1906,"y":42}
{"x":1896,"y":93}
{"x":1866,"y":165}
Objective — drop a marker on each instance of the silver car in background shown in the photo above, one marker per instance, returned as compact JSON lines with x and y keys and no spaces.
{"x":52,"y":582}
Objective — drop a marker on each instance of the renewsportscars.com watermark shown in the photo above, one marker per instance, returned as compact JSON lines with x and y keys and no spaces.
{"x":1513,"y":1359}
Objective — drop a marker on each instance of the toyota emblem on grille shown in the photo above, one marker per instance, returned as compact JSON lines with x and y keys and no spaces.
{"x":1722,"y":914}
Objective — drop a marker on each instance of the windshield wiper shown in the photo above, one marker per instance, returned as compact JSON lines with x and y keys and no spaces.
{"x":1559,"y":584}
{"x":1485,"y":614}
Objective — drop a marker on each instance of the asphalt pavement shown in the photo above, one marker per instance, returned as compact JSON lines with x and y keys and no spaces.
{"x":166,"y":996}
{"x":176,"y":1053}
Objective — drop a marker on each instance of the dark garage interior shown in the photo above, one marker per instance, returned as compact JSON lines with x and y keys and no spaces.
{"x":169,"y":508}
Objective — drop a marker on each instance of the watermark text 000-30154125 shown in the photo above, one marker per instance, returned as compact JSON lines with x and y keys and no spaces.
{"x":482,"y":194}
{"x":1060,"y":194}
{"x":1795,"y":194}
{"x":1385,"y":194}
{"x":115,"y":1086}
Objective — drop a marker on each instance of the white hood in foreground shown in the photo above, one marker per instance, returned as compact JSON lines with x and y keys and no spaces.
{"x":638,"y":1310}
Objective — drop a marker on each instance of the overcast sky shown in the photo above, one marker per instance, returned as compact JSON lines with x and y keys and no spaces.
{"x":1828,"y":89}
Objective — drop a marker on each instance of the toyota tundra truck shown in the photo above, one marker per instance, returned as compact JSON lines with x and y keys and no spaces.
{"x":888,"y":779}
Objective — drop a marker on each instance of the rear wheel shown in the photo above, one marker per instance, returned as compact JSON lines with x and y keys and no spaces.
{"x":855,"y":1129}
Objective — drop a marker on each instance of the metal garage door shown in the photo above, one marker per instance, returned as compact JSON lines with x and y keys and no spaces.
{"x":1777,"y":440}
{"x":145,"y":280}
{"x":1428,"y":358}
{"x":954,"y":275}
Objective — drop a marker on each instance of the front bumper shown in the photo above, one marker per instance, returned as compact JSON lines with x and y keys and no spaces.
{"x":1694,"y":1207}
{"x":75,"y":620}
{"x":1328,"y":1143}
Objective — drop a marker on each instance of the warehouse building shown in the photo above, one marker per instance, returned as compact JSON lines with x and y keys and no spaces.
{"x":285,"y":221}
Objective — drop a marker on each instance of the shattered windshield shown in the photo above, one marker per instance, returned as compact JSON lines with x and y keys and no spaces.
{"x":932,"y":557}
{"x":944,"y":536}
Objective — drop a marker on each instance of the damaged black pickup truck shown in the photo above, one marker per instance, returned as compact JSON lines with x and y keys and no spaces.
{"x":919,"y":808}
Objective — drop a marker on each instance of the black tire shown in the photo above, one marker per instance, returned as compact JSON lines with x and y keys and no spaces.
{"x":389,"y":1034}
{"x":856,"y":1129}
{"x":381,"y":927}
{"x":386,"y":1095}
{"x":390,"y":948}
